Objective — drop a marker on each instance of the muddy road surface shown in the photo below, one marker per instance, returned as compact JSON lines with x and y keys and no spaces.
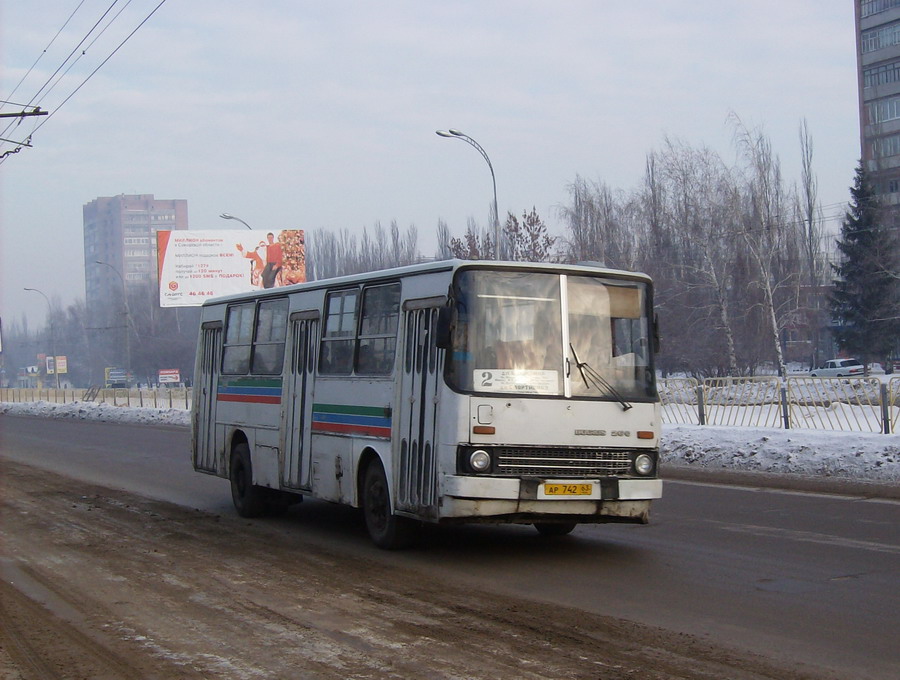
{"x":100,"y":583}
{"x":119,"y":561}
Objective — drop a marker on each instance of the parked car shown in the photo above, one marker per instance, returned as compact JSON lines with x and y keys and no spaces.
{"x":838,"y":368}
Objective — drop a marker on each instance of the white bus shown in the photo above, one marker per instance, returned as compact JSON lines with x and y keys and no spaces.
{"x":448,"y":392}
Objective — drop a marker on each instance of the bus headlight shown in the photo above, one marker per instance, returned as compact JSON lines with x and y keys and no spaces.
{"x":643,"y":464}
{"x":480,"y":460}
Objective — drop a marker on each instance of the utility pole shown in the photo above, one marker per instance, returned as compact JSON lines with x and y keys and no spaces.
{"x":35,"y":111}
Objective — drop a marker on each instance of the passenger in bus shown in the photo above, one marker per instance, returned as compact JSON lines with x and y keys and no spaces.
{"x":366,"y":362}
{"x":337,"y":357}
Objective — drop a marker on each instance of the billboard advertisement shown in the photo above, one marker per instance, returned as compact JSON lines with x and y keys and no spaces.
{"x":56,"y":365}
{"x":197,"y":265}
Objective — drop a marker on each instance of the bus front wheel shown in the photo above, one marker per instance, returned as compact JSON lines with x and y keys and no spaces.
{"x":249,"y":500}
{"x":386,"y":529}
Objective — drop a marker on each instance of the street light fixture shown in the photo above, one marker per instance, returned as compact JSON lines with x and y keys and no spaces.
{"x":456,"y":134}
{"x":127,"y":313}
{"x":226,"y":216}
{"x":52,"y":333}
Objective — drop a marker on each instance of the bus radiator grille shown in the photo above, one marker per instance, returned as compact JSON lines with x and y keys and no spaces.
{"x":561,"y":462}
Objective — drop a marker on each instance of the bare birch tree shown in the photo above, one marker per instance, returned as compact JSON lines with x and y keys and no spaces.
{"x":809,"y":215}
{"x":768,"y":234}
{"x":702,"y":190}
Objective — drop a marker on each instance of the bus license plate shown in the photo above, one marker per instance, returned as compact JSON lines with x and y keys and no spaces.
{"x":568,"y":489}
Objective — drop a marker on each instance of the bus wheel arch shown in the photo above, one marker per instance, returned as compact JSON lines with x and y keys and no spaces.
{"x":368,"y":457}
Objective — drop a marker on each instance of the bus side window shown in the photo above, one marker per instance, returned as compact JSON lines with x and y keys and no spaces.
{"x":378,"y":330}
{"x":268,"y":344}
{"x":238,"y":339}
{"x":339,"y":333}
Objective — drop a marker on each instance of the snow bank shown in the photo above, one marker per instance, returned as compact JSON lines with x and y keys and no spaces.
{"x":848,"y":455}
{"x":84,"y":410}
{"x":835,"y":455}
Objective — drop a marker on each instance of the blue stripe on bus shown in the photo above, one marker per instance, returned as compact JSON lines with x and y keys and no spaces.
{"x":245,"y":390}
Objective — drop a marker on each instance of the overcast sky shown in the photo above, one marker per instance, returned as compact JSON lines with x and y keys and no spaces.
{"x":308,"y":114}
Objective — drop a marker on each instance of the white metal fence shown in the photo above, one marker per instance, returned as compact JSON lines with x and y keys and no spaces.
{"x":161,"y":397}
{"x":847,"y":404}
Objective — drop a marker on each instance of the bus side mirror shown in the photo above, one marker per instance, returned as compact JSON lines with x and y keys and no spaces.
{"x":656,"y":343}
{"x":442,"y":328}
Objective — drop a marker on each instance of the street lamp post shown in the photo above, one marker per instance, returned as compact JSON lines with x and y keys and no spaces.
{"x":226,"y":216}
{"x":456,"y":134}
{"x":52,"y":333}
{"x":126,"y":312}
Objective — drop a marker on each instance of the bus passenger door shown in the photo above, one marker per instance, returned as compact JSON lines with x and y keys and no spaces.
{"x":205,"y":394}
{"x":296,"y":464}
{"x":419,"y":382}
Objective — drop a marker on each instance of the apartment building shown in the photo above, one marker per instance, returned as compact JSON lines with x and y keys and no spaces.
{"x":120,"y":249}
{"x":878,"y":63}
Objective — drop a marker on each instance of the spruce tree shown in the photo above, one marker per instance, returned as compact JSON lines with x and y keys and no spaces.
{"x":865,"y":301}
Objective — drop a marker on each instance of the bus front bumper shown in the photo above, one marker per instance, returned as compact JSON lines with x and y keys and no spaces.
{"x":533,"y":500}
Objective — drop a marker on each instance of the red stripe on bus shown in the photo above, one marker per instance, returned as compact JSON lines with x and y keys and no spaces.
{"x":339,"y":428}
{"x":249,"y":399}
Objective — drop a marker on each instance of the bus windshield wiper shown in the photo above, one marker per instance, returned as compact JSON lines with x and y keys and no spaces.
{"x":592,"y":378}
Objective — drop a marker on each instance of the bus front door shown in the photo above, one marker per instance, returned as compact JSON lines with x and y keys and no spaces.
{"x":205,"y":394}
{"x":416,"y":473}
{"x":297,"y":462}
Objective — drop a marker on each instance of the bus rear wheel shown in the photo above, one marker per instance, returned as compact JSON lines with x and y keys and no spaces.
{"x":249,"y":500}
{"x":553,"y":529}
{"x":386,"y":529}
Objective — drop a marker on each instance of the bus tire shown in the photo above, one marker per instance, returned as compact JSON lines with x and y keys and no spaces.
{"x":387,"y":530}
{"x":554,"y":529}
{"x":249,"y":500}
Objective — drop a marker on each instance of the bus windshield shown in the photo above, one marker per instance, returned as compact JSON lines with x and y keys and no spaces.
{"x":545,"y":334}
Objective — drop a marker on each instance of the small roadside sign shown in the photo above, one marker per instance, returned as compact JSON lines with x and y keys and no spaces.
{"x":169,"y":375}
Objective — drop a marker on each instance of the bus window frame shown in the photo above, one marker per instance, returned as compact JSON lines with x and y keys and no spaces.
{"x":386,"y":365}
{"x":277,"y":367}
{"x":248,"y":363}
{"x":232,"y":343}
{"x":328,"y":342}
{"x":607,"y":278}
{"x":357,"y":338}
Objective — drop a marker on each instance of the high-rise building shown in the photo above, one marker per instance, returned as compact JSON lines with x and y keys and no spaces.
{"x":120,"y":273}
{"x":878,"y":64}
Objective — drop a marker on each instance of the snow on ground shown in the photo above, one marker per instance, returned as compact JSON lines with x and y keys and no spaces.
{"x":849,"y":455}
{"x":88,"y":410}
{"x":835,"y":455}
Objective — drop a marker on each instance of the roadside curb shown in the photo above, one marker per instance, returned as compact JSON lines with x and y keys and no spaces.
{"x":787,"y":482}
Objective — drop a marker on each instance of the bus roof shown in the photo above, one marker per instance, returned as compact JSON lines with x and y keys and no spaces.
{"x":428,"y":268}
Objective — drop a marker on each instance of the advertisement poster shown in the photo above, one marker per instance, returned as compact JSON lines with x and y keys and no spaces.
{"x":197,"y":265}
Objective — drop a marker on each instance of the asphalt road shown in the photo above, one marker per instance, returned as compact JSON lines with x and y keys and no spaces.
{"x":790,"y":576}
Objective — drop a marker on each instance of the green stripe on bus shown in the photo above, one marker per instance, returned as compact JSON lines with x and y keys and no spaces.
{"x":250,"y":382}
{"x":380,"y":411}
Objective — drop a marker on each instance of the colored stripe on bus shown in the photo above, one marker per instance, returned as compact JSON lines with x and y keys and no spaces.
{"x":342,"y":419}
{"x":250,"y":391}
